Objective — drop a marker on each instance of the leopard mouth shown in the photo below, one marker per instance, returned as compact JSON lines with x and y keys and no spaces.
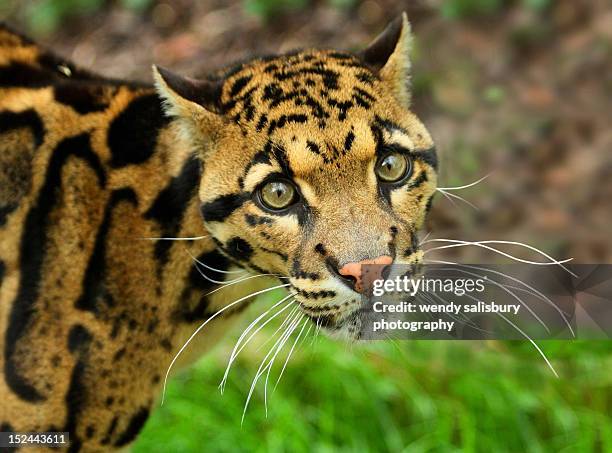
{"x":337,"y":319}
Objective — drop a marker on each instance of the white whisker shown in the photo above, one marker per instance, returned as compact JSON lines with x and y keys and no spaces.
{"x":523,"y":334}
{"x":520,"y":301}
{"x":283,"y":324}
{"x":279,"y":348}
{"x":201,"y":326}
{"x":240,"y":280}
{"x":467,"y":185}
{"x":195,"y":238}
{"x":482,"y":244}
{"x":447,"y":196}
{"x":291,"y":351}
{"x":259,"y":370}
{"x":237,"y":349}
{"x":458,"y":198}
{"x":425,"y":238}
{"x":534,"y":292}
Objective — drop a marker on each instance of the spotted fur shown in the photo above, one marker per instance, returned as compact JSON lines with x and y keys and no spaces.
{"x":91,"y":314}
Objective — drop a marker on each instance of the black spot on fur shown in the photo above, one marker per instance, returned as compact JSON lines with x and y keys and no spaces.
{"x":83,"y":98}
{"x":254,"y":220}
{"x":348,"y":142}
{"x":94,"y":279}
{"x":313,"y":147}
{"x":110,"y":431}
{"x":76,"y":397}
{"x":263,"y":120}
{"x":222,"y":207}
{"x":239,"y":84}
{"x":119,"y":354}
{"x":315,"y":294}
{"x":320,"y":249}
{"x":366,"y":77}
{"x":239,"y":249}
{"x":32,"y":255}
{"x":24,"y":75}
{"x":78,"y":338}
{"x":134,"y":426}
{"x":17,"y":173}
{"x":132,"y":135}
{"x":28,"y":118}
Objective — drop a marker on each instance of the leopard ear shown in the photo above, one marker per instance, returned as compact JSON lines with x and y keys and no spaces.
{"x":389,"y":55}
{"x":196,"y":103}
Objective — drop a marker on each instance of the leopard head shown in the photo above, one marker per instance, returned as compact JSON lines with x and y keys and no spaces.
{"x":313,"y":164}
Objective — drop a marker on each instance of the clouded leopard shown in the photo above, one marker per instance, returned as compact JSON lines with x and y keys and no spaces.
{"x":294,"y":168}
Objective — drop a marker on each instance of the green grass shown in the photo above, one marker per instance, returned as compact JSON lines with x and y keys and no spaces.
{"x":403,"y":396}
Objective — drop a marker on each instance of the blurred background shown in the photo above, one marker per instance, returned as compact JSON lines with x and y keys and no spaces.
{"x":519,"y":90}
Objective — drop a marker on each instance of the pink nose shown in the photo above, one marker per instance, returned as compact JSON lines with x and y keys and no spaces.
{"x":354,"y":270}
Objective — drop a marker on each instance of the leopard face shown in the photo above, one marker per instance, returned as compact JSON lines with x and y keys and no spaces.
{"x":313,"y":165}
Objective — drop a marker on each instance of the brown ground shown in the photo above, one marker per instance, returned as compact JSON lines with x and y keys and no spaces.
{"x":521,"y":94}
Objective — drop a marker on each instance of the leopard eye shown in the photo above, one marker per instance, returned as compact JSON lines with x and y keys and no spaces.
{"x":393,"y":167}
{"x":277,"y":195}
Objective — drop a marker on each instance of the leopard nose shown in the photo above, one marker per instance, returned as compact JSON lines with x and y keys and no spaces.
{"x":352,"y":272}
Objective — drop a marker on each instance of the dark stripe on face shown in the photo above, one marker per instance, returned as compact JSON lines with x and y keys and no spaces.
{"x":239,"y":249}
{"x":132,"y":135}
{"x":222,"y":207}
{"x":414,"y":244}
{"x":32,"y":255}
{"x":280,"y":155}
{"x":282,"y":256}
{"x":429,"y":202}
{"x":82,"y":98}
{"x":169,"y":207}
{"x":418,"y":181}
{"x":389,"y":125}
{"x":429,"y":156}
{"x":283,"y":120}
{"x":261,"y":157}
{"x":95,"y":292}
{"x":2,"y":271}
{"x":134,"y":426}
